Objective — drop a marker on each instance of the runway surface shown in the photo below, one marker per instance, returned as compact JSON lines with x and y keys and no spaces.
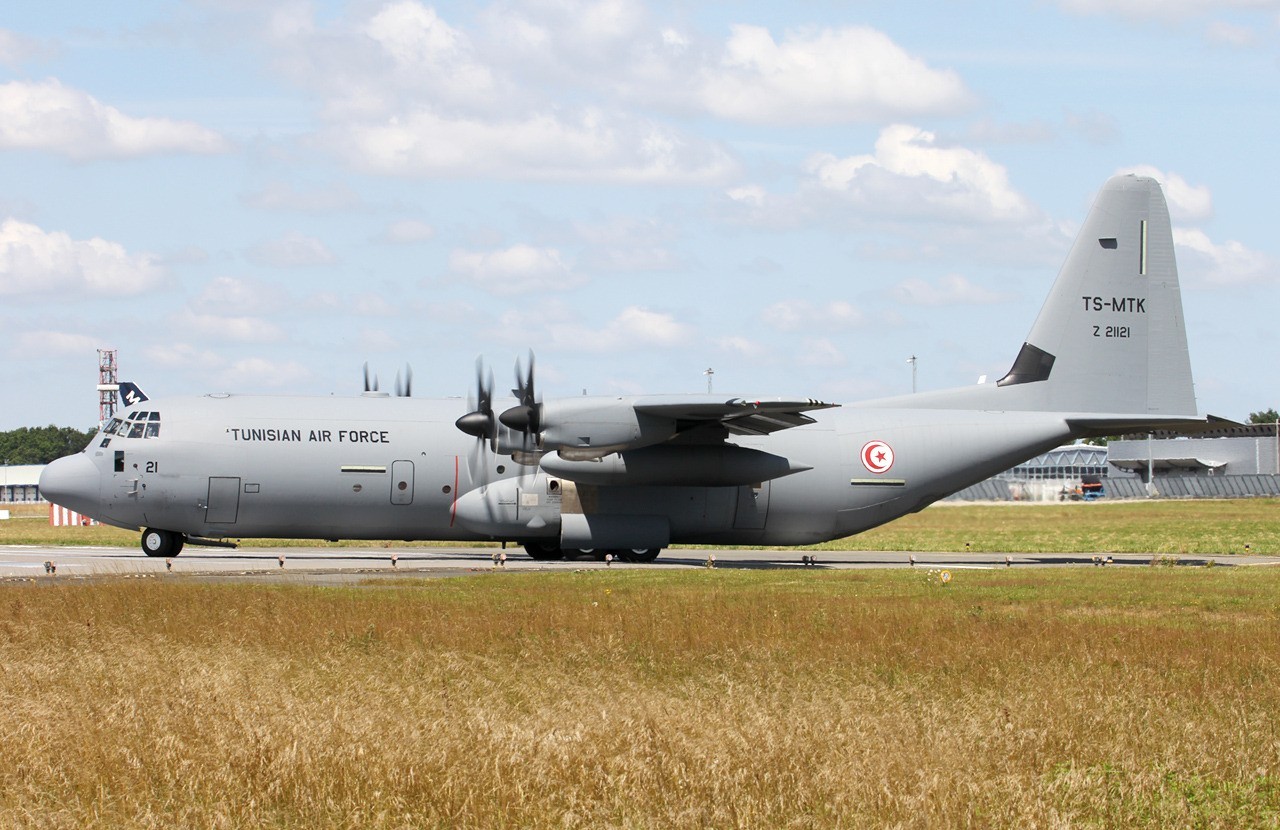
{"x":322,"y":565}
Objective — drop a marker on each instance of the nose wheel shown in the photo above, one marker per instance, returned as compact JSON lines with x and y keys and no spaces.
{"x":162,"y":542}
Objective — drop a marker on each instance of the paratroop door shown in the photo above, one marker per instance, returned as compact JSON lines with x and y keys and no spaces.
{"x":402,"y":482}
{"x":223,"y":506}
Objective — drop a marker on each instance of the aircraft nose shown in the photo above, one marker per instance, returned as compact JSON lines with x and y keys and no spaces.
{"x":72,"y":482}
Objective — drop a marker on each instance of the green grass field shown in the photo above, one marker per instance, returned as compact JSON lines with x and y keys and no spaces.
{"x":1171,"y":527}
{"x":1108,"y":698}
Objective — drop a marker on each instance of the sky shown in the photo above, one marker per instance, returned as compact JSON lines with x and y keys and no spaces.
{"x":257,"y":196}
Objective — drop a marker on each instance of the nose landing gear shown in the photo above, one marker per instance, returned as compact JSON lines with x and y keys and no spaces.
{"x":162,"y":542}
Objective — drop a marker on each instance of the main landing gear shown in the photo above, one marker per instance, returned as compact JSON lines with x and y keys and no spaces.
{"x":543,"y":551}
{"x":162,"y":542}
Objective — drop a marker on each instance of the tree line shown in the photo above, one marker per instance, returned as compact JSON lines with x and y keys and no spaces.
{"x":40,"y":445}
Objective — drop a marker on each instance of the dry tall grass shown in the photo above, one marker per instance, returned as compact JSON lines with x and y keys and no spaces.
{"x":1081,"y":698}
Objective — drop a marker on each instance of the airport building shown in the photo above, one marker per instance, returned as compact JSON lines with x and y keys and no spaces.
{"x":1234,"y":462}
{"x":20,"y":484}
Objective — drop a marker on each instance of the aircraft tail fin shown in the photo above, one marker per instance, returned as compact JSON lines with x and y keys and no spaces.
{"x":1111,"y":336}
{"x":1109,"y":349}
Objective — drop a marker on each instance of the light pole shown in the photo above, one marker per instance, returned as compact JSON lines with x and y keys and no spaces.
{"x":912,"y":360}
{"x":709,"y":373}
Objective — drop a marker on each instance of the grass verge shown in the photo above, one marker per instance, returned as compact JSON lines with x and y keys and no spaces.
{"x":1168,"y":527}
{"x":637,"y":699}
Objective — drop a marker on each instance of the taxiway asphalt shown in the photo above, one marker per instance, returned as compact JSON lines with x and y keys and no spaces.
{"x":21,"y":562}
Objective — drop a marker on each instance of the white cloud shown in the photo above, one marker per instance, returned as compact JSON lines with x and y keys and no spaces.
{"x":285,"y":197}
{"x":801,"y":315}
{"x":743,"y":347}
{"x":372,"y":305}
{"x":750,"y":195}
{"x":626,"y":244}
{"x":819,"y":351}
{"x":407,"y":94}
{"x":1186,"y":203}
{"x":557,"y":326}
{"x":429,"y":54}
{"x":516,"y":270}
{"x":229,"y":327}
{"x":363,"y":305}
{"x":33,"y":261}
{"x":259,"y":373}
{"x":638,"y":326}
{"x":1170,"y":12}
{"x":49,"y":116}
{"x":178,"y":355}
{"x":63,"y":343}
{"x":407,"y":231}
{"x":292,"y":250}
{"x":1228,"y":34}
{"x":825,"y":77}
{"x":1094,"y":127}
{"x":949,"y":290}
{"x":1163,"y":10}
{"x":594,"y":146}
{"x":909,"y":174}
{"x":16,"y":49}
{"x":1231,"y":263}
{"x":988,"y":131}
{"x":233,"y":294}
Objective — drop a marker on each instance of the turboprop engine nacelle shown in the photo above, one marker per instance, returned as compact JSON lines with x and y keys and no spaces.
{"x":583,"y":428}
{"x":521,"y":508}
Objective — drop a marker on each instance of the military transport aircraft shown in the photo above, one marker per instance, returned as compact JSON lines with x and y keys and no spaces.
{"x":634,"y":474}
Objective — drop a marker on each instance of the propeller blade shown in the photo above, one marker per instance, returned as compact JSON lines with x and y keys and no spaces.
{"x":526,"y":416}
{"x":366,"y":377}
{"x":405,"y":389}
{"x":480,"y":421}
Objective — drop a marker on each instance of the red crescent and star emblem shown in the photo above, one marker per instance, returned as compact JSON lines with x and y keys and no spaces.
{"x":877,"y":456}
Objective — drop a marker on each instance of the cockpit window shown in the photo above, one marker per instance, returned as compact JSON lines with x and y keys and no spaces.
{"x":112,"y":426}
{"x":136,"y":425}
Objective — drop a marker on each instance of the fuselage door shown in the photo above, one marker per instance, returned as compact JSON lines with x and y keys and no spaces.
{"x":753,"y":506}
{"x":223,"y":506}
{"x":402,"y":482}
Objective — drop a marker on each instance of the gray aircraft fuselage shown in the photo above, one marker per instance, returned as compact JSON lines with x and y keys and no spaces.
{"x":1107,"y":354}
{"x":396,"y":468}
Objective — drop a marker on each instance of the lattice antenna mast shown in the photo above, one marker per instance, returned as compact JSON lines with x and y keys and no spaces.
{"x":108,"y":386}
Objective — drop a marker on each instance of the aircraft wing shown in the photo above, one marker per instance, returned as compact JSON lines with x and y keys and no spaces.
{"x":594,"y":427}
{"x":740,"y":416}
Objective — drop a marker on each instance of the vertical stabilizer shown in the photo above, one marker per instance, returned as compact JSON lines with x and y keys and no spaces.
{"x":1111,"y":336}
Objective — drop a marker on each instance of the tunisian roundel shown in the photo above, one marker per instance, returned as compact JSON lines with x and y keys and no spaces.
{"x":877,"y":456}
